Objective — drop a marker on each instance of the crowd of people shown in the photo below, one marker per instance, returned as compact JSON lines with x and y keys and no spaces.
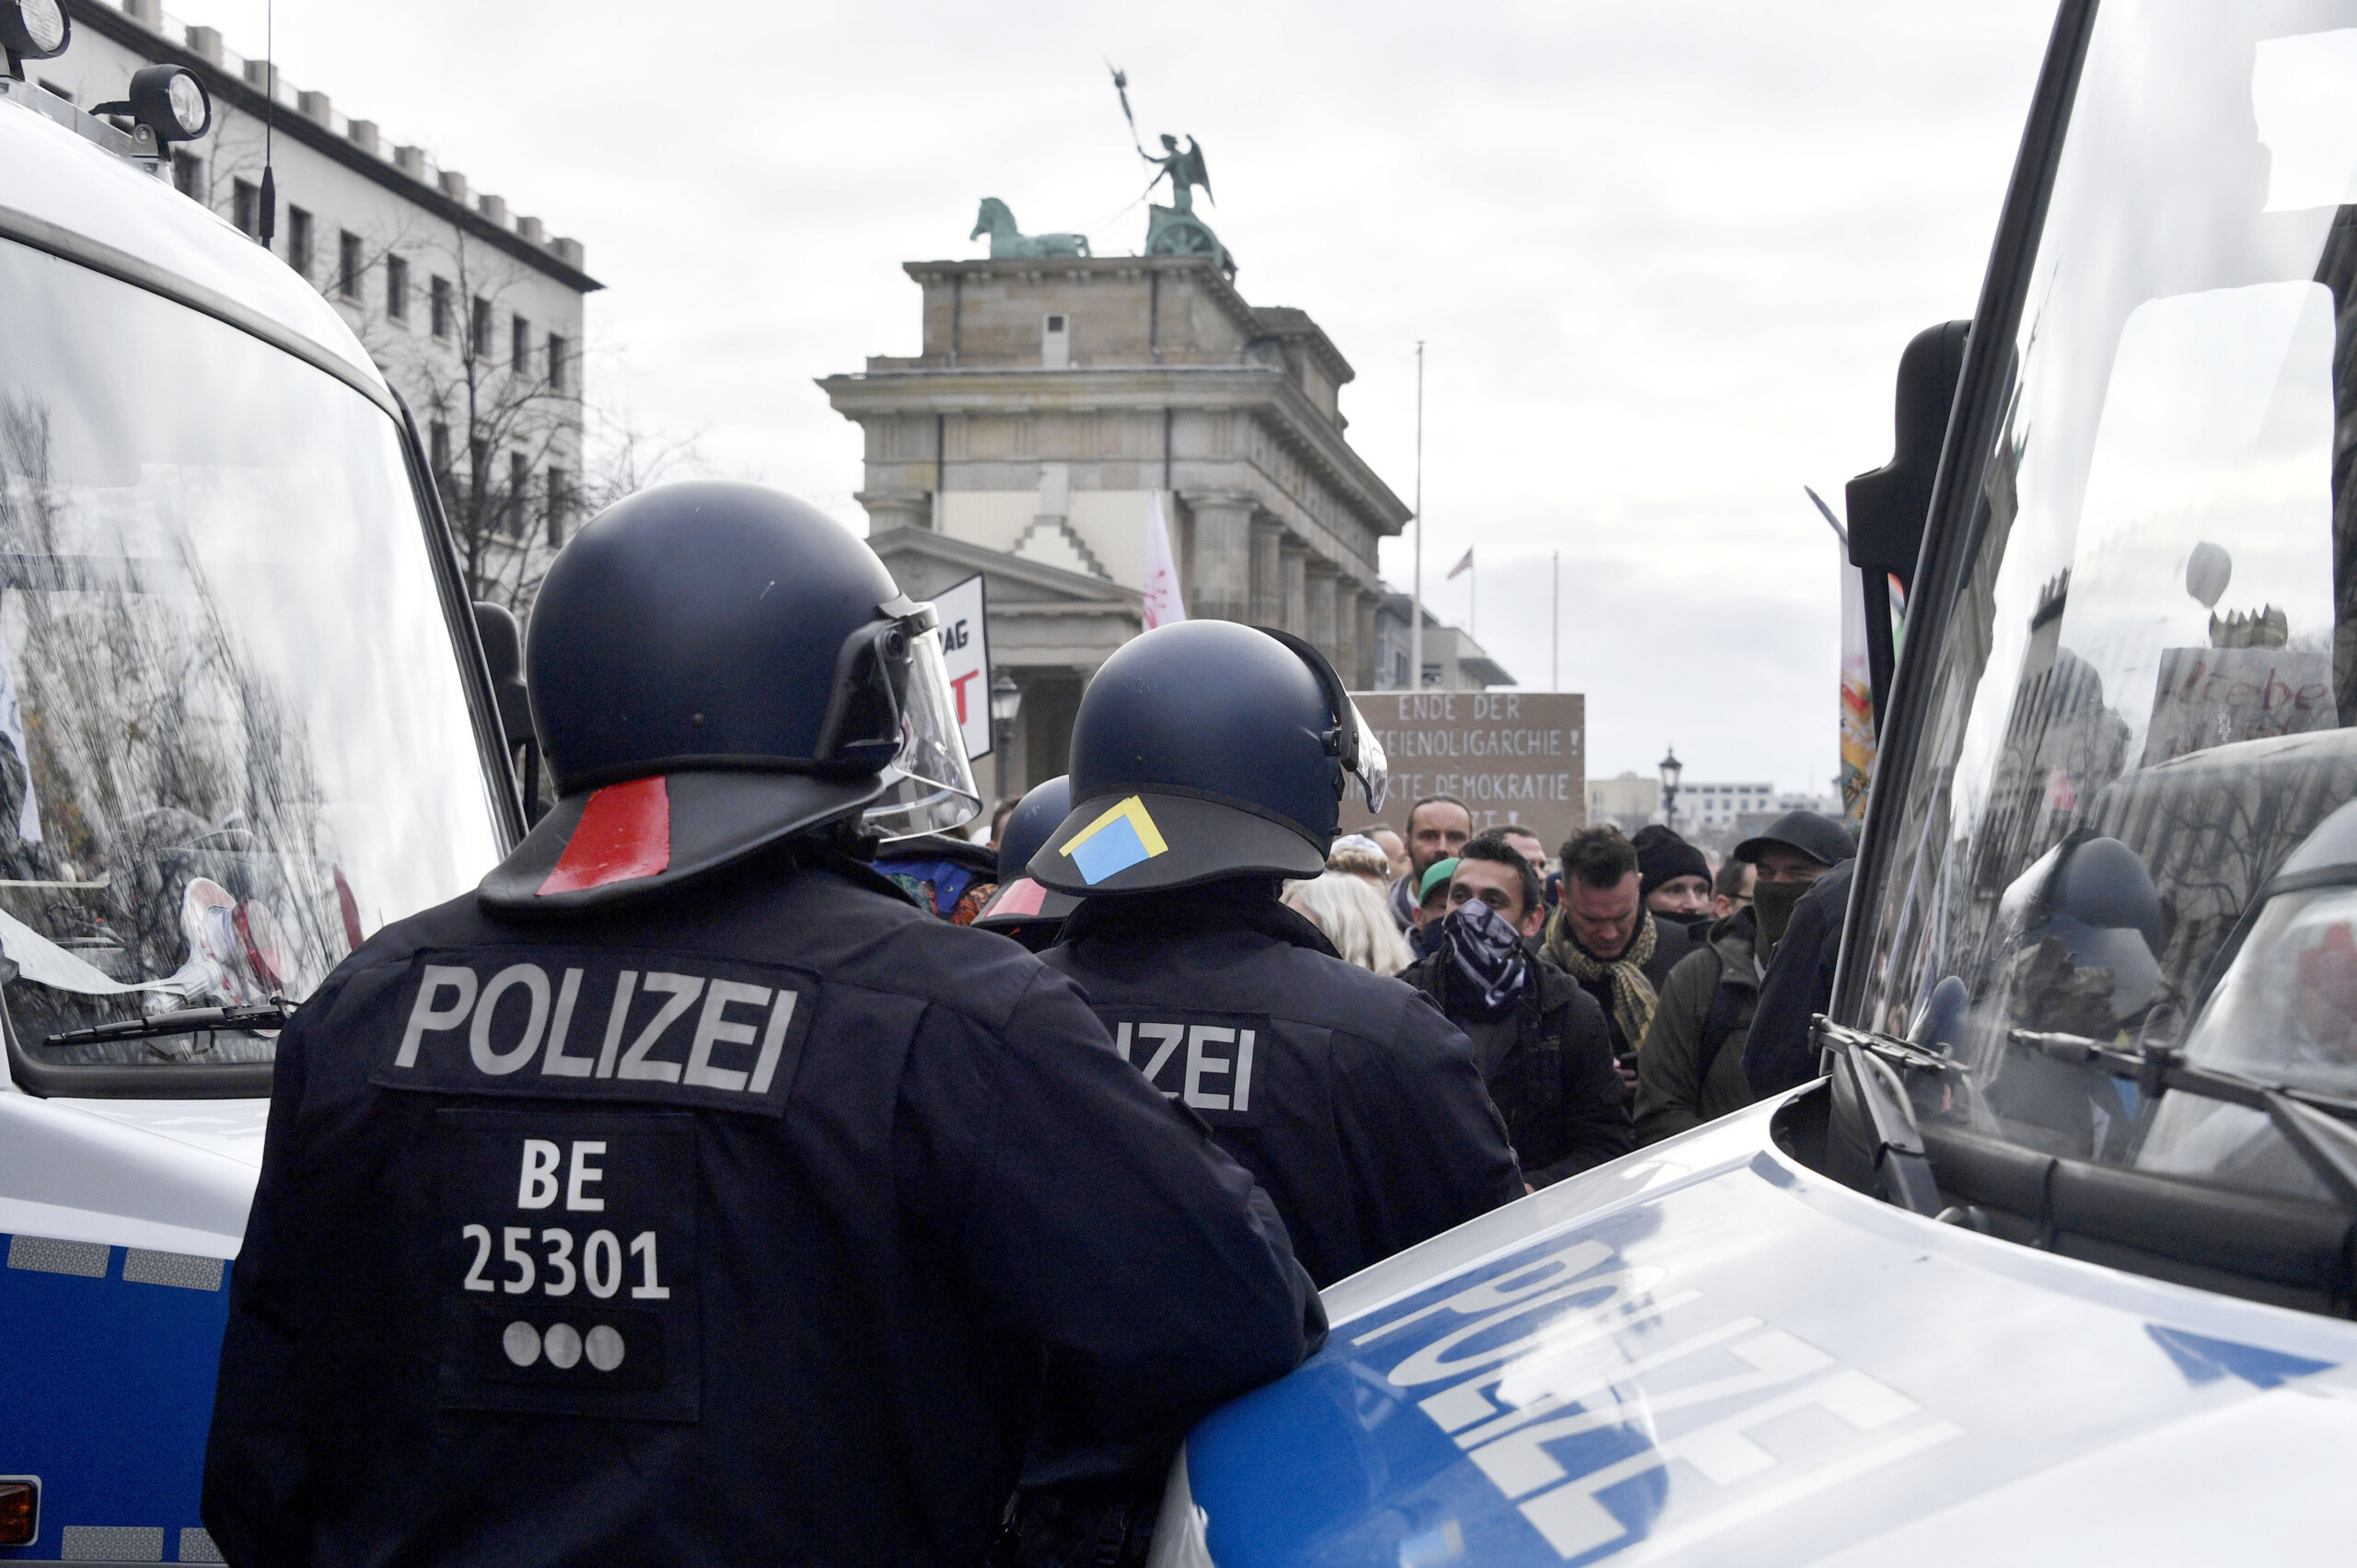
{"x":1602,"y":987}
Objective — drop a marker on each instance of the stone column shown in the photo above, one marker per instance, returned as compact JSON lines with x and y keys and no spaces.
{"x":1363,"y":680}
{"x":1221,"y":588}
{"x":1268,"y":572}
{"x":1322,"y":583}
{"x":1296,"y":569}
{"x":888,"y":509}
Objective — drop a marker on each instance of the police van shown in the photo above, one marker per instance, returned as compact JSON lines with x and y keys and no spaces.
{"x":245,"y":719}
{"x":2057,"y":1262}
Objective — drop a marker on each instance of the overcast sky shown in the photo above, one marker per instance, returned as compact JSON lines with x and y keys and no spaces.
{"x":1664,"y":255}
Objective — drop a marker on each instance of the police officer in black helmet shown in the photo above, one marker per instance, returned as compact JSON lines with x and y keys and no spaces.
{"x":1208,"y":765}
{"x":1021,"y":909}
{"x":686,"y":1195}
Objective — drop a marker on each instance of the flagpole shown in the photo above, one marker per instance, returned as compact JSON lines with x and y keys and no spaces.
{"x":1555,"y":630}
{"x":1416,"y":594}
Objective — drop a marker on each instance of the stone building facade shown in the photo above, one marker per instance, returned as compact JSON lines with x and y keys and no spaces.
{"x":474,"y":313}
{"x":1057,"y":402}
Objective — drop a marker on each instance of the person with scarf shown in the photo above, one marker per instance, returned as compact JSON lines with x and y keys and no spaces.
{"x":1605,"y":938}
{"x":1542,"y":1044}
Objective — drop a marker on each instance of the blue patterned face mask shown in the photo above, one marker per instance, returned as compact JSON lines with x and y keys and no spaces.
{"x":1487,"y":951}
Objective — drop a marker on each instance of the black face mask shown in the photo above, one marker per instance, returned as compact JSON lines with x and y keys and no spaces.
{"x":1771,"y":908}
{"x":1488,"y":953}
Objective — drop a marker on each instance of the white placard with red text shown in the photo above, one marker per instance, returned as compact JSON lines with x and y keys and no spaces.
{"x":966,"y":649}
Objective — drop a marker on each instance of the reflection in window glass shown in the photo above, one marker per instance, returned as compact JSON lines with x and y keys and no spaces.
{"x":233,"y":736}
{"x":2139,"y":706}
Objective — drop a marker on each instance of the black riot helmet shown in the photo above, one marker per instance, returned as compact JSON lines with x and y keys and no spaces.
{"x":1020,"y":904}
{"x":714,"y":668}
{"x":1208,"y":750}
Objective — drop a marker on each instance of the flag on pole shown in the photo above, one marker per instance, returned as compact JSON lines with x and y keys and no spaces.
{"x":1164,"y":604}
{"x":1464,"y":566}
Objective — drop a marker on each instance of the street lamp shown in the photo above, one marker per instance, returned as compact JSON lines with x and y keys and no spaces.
{"x":1670,"y":769}
{"x":1006,"y":701}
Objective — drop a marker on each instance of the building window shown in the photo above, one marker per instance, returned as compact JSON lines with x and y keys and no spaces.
{"x":560,"y":365}
{"x":298,"y":241}
{"x":444,"y":306}
{"x":519,"y":346}
{"x":519,"y":489}
{"x":349,"y":264}
{"x":396,"y":288}
{"x":437,"y":448}
{"x":1056,"y":342}
{"x":245,"y":207}
{"x":559,"y":509}
{"x":188,"y":175}
{"x":480,"y":336}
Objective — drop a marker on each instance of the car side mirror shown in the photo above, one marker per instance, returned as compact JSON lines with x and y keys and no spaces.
{"x":503,"y":652}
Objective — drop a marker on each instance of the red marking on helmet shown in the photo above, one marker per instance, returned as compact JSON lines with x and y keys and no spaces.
{"x":624,"y":834}
{"x":1022,"y":896}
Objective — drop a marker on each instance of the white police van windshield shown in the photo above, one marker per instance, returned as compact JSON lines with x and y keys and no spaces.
{"x":2142,"y":699}
{"x":232,"y":735}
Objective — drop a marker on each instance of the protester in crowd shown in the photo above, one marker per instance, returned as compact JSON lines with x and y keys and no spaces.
{"x":1527,"y":845}
{"x":1605,"y":938}
{"x":1432,"y":907}
{"x":1732,"y":889}
{"x":1691,"y":1068}
{"x":1674,"y":877}
{"x":1395,"y":848}
{"x":1540,"y":1042}
{"x":1361,"y":856}
{"x":1350,"y":909}
{"x":1438,"y":826}
{"x":1805,"y":917}
{"x":999,"y":814}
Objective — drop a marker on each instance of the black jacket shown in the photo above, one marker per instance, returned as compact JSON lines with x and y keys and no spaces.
{"x":1347,"y":1096}
{"x":1546,"y":1058}
{"x":862,"y":1172}
{"x":1798,"y":985}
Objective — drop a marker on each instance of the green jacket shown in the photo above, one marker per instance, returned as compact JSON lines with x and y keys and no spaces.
{"x":1711,"y":993}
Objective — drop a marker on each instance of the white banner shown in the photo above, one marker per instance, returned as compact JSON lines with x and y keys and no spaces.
{"x":966,"y":650}
{"x":1164,"y":605}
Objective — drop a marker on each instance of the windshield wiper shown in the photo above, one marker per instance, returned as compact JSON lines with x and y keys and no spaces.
{"x":274,"y":1014}
{"x":2321,"y":1128}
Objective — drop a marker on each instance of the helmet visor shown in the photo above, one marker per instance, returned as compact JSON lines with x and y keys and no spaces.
{"x":929,"y":787}
{"x":1373,"y":768}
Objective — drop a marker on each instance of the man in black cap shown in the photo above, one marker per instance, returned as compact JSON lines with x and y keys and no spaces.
{"x":685,"y":1195}
{"x":1801,"y":899}
{"x":1209,"y":762}
{"x":1691,"y":1068}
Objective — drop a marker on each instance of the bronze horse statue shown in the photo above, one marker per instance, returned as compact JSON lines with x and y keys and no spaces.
{"x":997,"y":220}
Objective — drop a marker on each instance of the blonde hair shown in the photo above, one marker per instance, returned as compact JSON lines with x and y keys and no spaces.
{"x":1360,"y":856}
{"x":1355,"y":917}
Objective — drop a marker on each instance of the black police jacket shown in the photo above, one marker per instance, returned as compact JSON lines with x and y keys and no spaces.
{"x":1345,"y":1093}
{"x":1546,"y":1059}
{"x":737,"y":1227}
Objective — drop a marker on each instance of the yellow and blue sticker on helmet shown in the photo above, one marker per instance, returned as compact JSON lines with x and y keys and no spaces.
{"x":1122,"y":837}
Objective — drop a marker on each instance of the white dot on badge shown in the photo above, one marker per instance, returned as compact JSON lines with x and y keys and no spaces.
{"x":605,"y":1348}
{"x":563,"y":1343}
{"x":522,"y":1344}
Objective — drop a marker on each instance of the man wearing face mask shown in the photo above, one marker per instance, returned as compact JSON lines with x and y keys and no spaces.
{"x":1542,"y":1044}
{"x":1778,"y":1052}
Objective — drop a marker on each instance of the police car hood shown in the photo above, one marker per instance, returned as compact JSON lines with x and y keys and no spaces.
{"x":1707,"y":1353}
{"x":169,"y":1176}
